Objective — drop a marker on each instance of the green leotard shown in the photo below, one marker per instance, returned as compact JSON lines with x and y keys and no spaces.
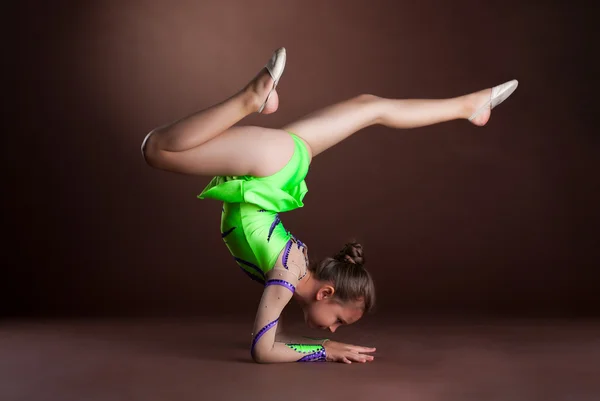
{"x":250,"y":223}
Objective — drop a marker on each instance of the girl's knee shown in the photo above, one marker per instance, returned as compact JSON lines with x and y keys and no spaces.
{"x":149,"y":150}
{"x":370,"y":107}
{"x":366,"y":98}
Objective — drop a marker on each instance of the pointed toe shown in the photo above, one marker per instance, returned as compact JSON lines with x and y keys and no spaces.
{"x":499,"y":94}
{"x":275,"y":66}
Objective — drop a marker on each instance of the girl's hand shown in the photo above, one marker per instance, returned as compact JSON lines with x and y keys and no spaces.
{"x":347,"y":353}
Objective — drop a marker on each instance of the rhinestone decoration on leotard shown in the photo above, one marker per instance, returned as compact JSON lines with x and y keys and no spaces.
{"x":301,"y":245}
{"x":261,"y":332}
{"x":305,"y":348}
{"x":282,"y":283}
{"x":316,"y":353}
{"x":319,"y":356}
{"x":286,"y":254}
{"x":273,"y":225}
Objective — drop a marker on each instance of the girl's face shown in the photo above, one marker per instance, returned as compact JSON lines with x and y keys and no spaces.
{"x":329,"y":314}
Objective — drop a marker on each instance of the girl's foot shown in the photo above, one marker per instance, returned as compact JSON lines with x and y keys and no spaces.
{"x":258,"y":90}
{"x":474,"y":101}
{"x":480,"y":104}
{"x":262,"y":87}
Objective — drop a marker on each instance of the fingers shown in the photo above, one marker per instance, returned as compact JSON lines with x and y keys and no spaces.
{"x":359,"y":358}
{"x":347,"y":353}
{"x":358,"y":349}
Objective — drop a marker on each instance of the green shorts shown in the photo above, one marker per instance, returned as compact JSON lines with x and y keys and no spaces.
{"x":250,"y":222}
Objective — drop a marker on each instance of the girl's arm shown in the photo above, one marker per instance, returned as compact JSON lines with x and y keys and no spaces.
{"x":279,"y":288}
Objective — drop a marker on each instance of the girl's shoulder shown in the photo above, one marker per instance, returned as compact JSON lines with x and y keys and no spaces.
{"x":293,"y":257}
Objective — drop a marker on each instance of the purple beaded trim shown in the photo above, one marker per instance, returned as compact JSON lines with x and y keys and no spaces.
{"x":261,"y":332}
{"x":302,"y":276}
{"x":286,"y":254}
{"x":273,"y":225}
{"x":318,"y":356}
{"x":282,"y":283}
{"x":300,"y":245}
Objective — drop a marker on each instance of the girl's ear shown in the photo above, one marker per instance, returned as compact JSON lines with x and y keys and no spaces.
{"x":325,"y":292}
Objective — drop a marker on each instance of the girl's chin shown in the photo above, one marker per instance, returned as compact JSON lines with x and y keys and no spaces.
{"x":312,"y":324}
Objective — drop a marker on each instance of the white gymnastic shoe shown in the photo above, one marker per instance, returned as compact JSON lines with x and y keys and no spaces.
{"x":499,"y":94}
{"x":275,"y":66}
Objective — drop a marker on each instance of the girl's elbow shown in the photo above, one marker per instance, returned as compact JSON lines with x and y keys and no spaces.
{"x":260,"y":357}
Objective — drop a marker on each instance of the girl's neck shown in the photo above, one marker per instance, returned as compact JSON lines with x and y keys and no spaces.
{"x":306,"y":289}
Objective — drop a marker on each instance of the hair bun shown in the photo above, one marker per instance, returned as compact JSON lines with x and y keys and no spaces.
{"x":351,"y":253}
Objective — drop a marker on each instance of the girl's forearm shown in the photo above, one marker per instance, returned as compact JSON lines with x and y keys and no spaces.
{"x":290,"y":352}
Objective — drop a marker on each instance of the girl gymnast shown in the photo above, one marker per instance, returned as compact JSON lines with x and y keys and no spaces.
{"x":259,"y":172}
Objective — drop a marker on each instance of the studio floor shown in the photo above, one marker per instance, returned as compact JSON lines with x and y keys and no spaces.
{"x":425,"y":359}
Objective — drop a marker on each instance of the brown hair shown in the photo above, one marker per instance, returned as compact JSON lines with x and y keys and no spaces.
{"x":352,"y":282}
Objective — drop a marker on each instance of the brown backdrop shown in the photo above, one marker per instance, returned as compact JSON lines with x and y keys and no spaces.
{"x":454,"y":219}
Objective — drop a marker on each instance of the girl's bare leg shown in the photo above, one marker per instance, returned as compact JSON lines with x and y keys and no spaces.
{"x":324,"y":128}
{"x":206,"y":143}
